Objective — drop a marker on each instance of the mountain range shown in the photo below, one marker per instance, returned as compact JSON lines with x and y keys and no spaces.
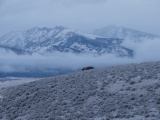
{"x":108,"y":40}
{"x":44,"y":40}
{"x":124,"y":33}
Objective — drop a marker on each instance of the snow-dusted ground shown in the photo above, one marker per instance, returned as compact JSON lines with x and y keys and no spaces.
{"x":129,"y":92}
{"x":14,"y":82}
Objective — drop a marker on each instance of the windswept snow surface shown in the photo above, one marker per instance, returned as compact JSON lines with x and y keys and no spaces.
{"x":128,"y":92}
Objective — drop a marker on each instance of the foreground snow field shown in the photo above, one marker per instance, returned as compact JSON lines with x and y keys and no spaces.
{"x":129,"y":92}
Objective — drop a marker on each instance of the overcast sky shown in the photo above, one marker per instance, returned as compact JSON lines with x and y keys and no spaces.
{"x":84,"y":15}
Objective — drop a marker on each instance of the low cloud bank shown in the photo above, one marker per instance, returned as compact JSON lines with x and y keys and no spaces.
{"x":147,"y":50}
{"x":11,"y":62}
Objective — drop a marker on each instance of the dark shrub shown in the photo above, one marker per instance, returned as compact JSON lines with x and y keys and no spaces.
{"x":87,"y":68}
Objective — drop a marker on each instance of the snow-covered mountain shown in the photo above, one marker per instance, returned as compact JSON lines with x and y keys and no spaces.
{"x":113,"y":31}
{"x":62,"y":39}
{"x":14,"y":49}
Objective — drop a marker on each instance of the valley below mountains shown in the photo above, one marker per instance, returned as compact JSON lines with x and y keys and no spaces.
{"x":41,"y":75}
{"x":124,"y":92}
{"x":45,"y":52}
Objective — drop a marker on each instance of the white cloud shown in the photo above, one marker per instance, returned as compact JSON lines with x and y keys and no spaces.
{"x":84,"y":15}
{"x":148,"y":50}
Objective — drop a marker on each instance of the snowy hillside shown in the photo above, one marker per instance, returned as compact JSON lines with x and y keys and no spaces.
{"x":113,"y":31}
{"x":43,"y":40}
{"x":14,"y":49}
{"x":130,"y":92}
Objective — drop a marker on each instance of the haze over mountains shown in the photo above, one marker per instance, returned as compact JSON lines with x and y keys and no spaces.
{"x":51,"y":51}
{"x":61,"y":39}
{"x":41,"y":68}
{"x":107,"y":40}
{"x":113,"y":31}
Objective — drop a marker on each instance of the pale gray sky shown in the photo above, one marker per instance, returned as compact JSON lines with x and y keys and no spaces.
{"x":84,"y":15}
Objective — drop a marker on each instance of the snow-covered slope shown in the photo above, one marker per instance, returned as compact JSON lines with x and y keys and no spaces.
{"x":113,"y":31}
{"x":13,"y":49}
{"x":42,"y":40}
{"x":130,"y":92}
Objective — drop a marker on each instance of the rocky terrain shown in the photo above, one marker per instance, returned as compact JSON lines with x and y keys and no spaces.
{"x":61,"y":39}
{"x":128,"y":92}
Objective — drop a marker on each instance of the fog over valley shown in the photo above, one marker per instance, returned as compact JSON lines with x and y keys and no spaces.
{"x":79,"y":60}
{"x":51,"y":62}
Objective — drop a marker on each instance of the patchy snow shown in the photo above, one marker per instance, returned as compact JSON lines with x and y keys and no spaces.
{"x":11,"y":82}
{"x":137,"y":117}
{"x":128,"y":92}
{"x":43,"y":40}
{"x":113,"y":31}
{"x":88,"y":35}
{"x":18,"y":81}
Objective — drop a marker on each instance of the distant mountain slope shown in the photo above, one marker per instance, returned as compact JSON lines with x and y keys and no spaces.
{"x":130,"y":92}
{"x":113,"y":31}
{"x":42,"y":40}
{"x":14,"y":49}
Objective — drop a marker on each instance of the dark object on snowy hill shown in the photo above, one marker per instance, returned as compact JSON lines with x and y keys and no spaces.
{"x":87,"y":68}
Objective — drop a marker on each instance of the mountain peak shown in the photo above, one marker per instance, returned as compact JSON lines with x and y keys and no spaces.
{"x":60,"y":28}
{"x":34,"y":28}
{"x":62,"y":39}
{"x":113,"y":31}
{"x":111,"y":26}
